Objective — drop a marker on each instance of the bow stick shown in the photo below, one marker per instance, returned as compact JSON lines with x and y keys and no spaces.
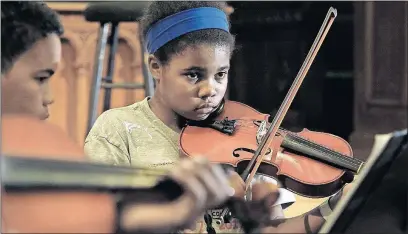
{"x":277,"y":120}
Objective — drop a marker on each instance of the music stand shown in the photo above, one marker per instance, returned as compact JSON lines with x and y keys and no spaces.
{"x":387,"y":148}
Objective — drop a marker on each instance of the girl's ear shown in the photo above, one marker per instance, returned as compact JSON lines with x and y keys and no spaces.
{"x":155,"y":67}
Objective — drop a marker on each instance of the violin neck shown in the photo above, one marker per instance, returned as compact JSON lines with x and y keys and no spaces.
{"x":321,"y":153}
{"x":19,"y":173}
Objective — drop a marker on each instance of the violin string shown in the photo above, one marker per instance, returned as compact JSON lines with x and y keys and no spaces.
{"x":323,"y":149}
{"x":341,"y":158}
{"x":327,"y":150}
{"x":294,"y":135}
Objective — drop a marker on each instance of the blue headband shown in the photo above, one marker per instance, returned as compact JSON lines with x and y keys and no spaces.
{"x":184,"y":22}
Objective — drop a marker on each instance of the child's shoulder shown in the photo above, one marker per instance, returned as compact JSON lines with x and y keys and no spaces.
{"x":116,"y":118}
{"x":132,"y":111}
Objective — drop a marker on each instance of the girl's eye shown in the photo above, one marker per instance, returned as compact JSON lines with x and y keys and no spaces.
{"x":41,"y":79}
{"x":192,"y":76}
{"x":221,"y":75}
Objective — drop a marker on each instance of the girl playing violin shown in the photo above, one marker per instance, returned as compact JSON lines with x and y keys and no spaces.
{"x":31,"y":52}
{"x":189,"y":46}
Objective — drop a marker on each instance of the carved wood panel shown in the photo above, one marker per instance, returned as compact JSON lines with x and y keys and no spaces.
{"x":387,"y":34}
{"x":381,"y":71}
{"x":72,"y":82}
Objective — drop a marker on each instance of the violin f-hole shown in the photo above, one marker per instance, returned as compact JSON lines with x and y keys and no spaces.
{"x":235,"y":154}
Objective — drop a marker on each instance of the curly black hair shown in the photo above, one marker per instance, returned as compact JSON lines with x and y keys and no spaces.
{"x":158,"y":10}
{"x":23,"y":23}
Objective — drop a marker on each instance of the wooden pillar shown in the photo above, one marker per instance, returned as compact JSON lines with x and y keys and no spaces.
{"x":381,"y":71}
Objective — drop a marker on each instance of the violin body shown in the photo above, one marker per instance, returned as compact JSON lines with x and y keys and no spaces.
{"x":49,"y":211}
{"x":298,"y":173}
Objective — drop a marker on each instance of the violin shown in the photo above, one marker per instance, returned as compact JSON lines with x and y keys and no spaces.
{"x":46,"y":191}
{"x":311,"y":164}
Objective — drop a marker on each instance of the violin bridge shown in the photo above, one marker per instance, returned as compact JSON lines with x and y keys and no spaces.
{"x":262,"y":130}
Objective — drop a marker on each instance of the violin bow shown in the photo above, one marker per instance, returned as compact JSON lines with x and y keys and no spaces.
{"x":280,"y":115}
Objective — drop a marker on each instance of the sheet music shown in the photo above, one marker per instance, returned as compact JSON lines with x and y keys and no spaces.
{"x":380,"y":142}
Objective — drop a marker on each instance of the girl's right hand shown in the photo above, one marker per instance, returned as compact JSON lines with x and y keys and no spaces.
{"x":205,"y":186}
